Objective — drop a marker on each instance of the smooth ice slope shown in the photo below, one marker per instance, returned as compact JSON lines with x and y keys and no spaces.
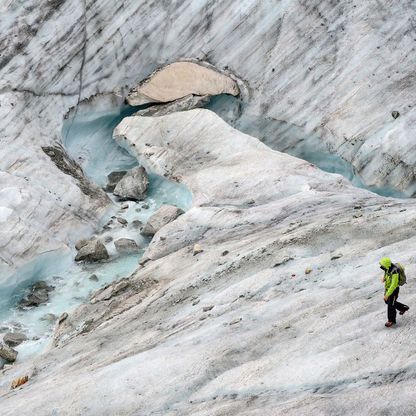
{"x":241,"y":328}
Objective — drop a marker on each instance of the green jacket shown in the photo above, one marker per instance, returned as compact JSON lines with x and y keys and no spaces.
{"x":391,"y":281}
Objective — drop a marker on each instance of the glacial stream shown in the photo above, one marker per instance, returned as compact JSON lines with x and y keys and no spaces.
{"x":88,"y":140}
{"x":291,"y":139}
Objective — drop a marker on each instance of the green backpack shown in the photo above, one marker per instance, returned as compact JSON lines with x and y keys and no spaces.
{"x":402,"y":274}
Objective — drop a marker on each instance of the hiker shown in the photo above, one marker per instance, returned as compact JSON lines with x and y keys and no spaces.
{"x":393,"y":278}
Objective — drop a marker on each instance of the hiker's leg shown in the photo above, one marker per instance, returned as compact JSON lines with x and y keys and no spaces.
{"x":399,"y":306}
{"x":391,"y":310}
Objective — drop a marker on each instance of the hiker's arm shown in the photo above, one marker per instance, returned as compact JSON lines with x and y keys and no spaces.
{"x":394,"y":284}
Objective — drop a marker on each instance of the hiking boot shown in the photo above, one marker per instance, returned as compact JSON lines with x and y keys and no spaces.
{"x":388,"y":324}
{"x":405,"y":310}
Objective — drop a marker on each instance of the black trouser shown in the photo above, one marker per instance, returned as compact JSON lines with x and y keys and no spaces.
{"x":392,"y":305}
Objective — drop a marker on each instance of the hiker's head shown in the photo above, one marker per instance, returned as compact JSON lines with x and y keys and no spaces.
{"x":385,"y":263}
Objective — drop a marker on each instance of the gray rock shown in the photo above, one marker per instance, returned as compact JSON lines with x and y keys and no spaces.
{"x":42,"y":285}
{"x":93,"y":278}
{"x":94,"y":251}
{"x":126,"y":245}
{"x":136,"y":223}
{"x":49,"y":317}
{"x":133,"y":185}
{"x":13,"y":339}
{"x":395,"y":114}
{"x":8,"y":353}
{"x":113,"y":179}
{"x":108,"y":239}
{"x":37,"y":296}
{"x":182,"y":104}
{"x":164,"y":215}
{"x":122,"y":221}
{"x":63,"y":318}
{"x":81,"y":243}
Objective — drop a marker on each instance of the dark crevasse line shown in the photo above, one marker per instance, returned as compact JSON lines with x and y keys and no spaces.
{"x":291,"y":139}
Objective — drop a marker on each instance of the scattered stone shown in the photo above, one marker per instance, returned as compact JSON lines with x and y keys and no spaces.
{"x":195,"y":302}
{"x":8,"y":353}
{"x":164,"y":215}
{"x":94,"y":251}
{"x":37,"y":296}
{"x":162,"y":238}
{"x":42,"y":285}
{"x":358,"y":215}
{"x":145,"y":206}
{"x":110,"y":290}
{"x":133,"y":185}
{"x":113,"y":179}
{"x":143,"y":261}
{"x":93,"y":278}
{"x":81,"y":243}
{"x":251,"y":202}
{"x":122,"y":221}
{"x":108,"y":239}
{"x":308,"y":270}
{"x":17,"y":382}
{"x":395,"y":114}
{"x":235,"y":321}
{"x":336,"y":256}
{"x":181,"y":104}
{"x":282,"y":261}
{"x":13,"y":339}
{"x":224,"y":253}
{"x":136,"y":223}
{"x":62,"y":318}
{"x":50,"y":317}
{"x":125,"y":206}
{"x":197,"y":249}
{"x":207,"y":308}
{"x":126,"y":245}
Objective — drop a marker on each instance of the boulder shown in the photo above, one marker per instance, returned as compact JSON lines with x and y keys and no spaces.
{"x":8,"y":353}
{"x":164,"y":215}
{"x":113,"y":179}
{"x":133,"y":185}
{"x":39,"y":294}
{"x":13,"y":339}
{"x":180,"y":79}
{"x":81,"y":243}
{"x":126,"y":245}
{"x":93,"y":251}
